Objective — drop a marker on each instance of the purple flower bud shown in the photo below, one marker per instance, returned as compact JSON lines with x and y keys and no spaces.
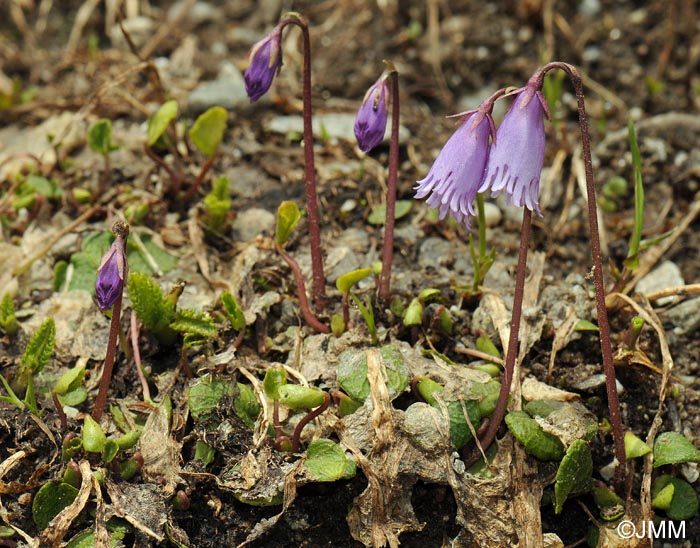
{"x":517,"y":154}
{"x":265,"y":62}
{"x":370,"y":123}
{"x":458,"y":171}
{"x":112,"y":270}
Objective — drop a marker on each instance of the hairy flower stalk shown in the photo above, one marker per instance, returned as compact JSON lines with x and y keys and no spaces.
{"x":266,"y":59}
{"x":370,"y":126}
{"x":109,"y":290}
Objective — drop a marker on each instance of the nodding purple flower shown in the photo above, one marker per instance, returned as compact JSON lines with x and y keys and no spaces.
{"x":458,"y":171}
{"x":112,"y":270}
{"x":265,"y":62}
{"x":370,"y":123}
{"x":517,"y":153}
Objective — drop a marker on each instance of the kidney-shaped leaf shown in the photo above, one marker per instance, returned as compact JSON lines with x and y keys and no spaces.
{"x":288,"y":216}
{"x":536,"y":441}
{"x":208,"y":130}
{"x":159,"y":122}
{"x":51,"y":498}
{"x":326,"y":461}
{"x":575,"y":474}
{"x":674,"y":448}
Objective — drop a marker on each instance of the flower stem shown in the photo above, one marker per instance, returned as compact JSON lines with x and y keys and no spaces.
{"x":296,"y":438}
{"x":388,"y":253}
{"x":309,"y":317}
{"x":319,"y":279}
{"x":603,"y":325}
{"x":511,"y":356}
{"x":109,"y":360}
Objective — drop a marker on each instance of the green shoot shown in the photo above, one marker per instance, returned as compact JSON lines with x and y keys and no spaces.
{"x":482,"y":261}
{"x":367,"y":313}
{"x":233,"y":311}
{"x":8,"y":320}
{"x":99,"y":139}
{"x":632,"y":260}
{"x":37,"y":354}
{"x":217,"y":204}
{"x":151,"y":307}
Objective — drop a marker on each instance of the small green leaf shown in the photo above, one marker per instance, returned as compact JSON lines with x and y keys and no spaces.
{"x":346,"y":405}
{"x":204,"y":452}
{"x":148,"y":301}
{"x":74,"y":397}
{"x":204,"y":396}
{"x":94,"y":438}
{"x":429,"y":294}
{"x":542,"y":408}
{"x":337,"y":325}
{"x":426,"y":388}
{"x":110,"y":450}
{"x":233,"y":311}
{"x":326,"y":461}
{"x":48,"y":188}
{"x":635,"y":447}
{"x":674,"y":448}
{"x":8,"y":321}
{"x":296,"y":396}
{"x":585,"y":325}
{"x":99,"y":137}
{"x":575,"y":474}
{"x":196,"y":323}
{"x":345,"y":282}
{"x":159,"y":122}
{"x":414,"y":313}
{"x":246,"y":405}
{"x":128,"y":440}
{"x":274,"y":378}
{"x":352,"y":372}
{"x":288,"y":216}
{"x":684,"y":499}
{"x":378,"y":214}
{"x":208,"y":130}
{"x":460,"y":412}
{"x":51,"y":498}
{"x":38,"y":352}
{"x":536,"y":441}
{"x":485,"y":345}
{"x":611,"y":506}
{"x":71,"y":379}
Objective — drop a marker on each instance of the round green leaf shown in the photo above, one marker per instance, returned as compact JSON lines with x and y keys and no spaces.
{"x":71,"y":379}
{"x":100,"y":137}
{"x":378,"y":214}
{"x":274,"y":378}
{"x":536,"y":441}
{"x":110,"y":450}
{"x":684,"y":499}
{"x":414,"y":313}
{"x":460,"y":412}
{"x":288,"y":216}
{"x":160,"y":121}
{"x":204,"y":396}
{"x":345,"y":282}
{"x":674,"y":448}
{"x":246,"y":405}
{"x":51,"y":498}
{"x":94,"y":438}
{"x":296,"y":396}
{"x":208,"y":130}
{"x":326,"y":461}
{"x":352,"y":372}
{"x":74,"y":397}
{"x":575,"y":474}
{"x":635,"y":447}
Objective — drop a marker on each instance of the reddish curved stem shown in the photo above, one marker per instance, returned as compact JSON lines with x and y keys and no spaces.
{"x":307,"y":419}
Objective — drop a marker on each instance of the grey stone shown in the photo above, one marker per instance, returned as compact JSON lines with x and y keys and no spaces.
{"x":664,"y":276}
{"x":252,"y":222}
{"x":684,"y":318}
{"x":228,"y":91}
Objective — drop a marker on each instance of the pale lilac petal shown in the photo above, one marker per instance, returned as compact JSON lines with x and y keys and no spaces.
{"x":454,"y":178}
{"x":516,"y":158}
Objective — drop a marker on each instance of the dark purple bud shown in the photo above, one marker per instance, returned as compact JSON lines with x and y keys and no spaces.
{"x":370,"y":123}
{"x":112,"y":270}
{"x":265,"y":62}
